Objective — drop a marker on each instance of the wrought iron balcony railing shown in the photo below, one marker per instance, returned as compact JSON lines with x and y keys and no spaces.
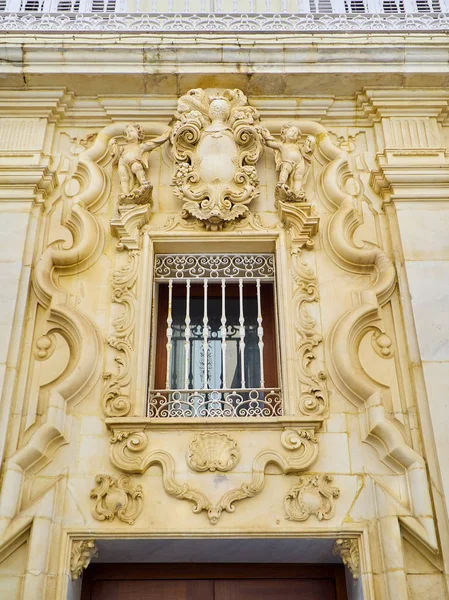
{"x":215,"y":403}
{"x":224,"y":15}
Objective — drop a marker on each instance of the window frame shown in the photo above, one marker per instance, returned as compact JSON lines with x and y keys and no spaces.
{"x":270,"y":316}
{"x":269,"y":324}
{"x":169,"y":240}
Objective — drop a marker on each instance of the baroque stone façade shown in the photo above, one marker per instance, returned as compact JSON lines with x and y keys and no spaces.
{"x":340,"y":331}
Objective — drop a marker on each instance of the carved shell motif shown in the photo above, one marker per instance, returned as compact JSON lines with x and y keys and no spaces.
{"x":213,"y":451}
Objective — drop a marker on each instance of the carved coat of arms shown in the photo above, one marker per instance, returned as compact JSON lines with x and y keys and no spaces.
{"x":217,"y":141}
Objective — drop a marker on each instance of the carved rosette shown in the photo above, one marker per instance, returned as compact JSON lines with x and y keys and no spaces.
{"x":83,"y":551}
{"x":313,"y":495}
{"x":217,"y":142}
{"x":116,"y":498}
{"x":348,"y":550}
{"x":213,"y":451}
{"x":116,"y":401}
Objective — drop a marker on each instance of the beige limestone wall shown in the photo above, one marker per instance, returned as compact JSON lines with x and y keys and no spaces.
{"x":346,"y":342}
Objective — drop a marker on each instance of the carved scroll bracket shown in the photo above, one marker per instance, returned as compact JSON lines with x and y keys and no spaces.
{"x":128,"y":224}
{"x":130,"y":452}
{"x":302,"y":222}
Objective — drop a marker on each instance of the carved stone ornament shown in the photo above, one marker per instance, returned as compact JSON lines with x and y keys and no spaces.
{"x":217,"y":141}
{"x":312,"y":496}
{"x":348,"y":550}
{"x":314,"y":396}
{"x":131,"y":160}
{"x":129,"y":451}
{"x":213,"y":451}
{"x":116,"y":498}
{"x":292,"y":162}
{"x":83,"y":551}
{"x":115,"y":400}
{"x":302,"y":222}
{"x":128,"y":224}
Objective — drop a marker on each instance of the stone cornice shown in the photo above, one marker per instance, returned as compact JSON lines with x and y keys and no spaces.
{"x":48,"y":103}
{"x":120,"y":424}
{"x":400,"y":102}
{"x":33,"y":183}
{"x":258,"y":64}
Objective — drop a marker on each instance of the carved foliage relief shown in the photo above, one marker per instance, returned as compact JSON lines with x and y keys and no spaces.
{"x":130,"y":452}
{"x":313,"y":399}
{"x":116,"y":402}
{"x":81,"y":554}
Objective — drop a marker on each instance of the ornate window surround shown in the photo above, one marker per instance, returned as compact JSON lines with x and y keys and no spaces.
{"x":140,"y":263}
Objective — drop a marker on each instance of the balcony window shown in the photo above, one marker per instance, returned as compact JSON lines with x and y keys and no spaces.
{"x":215,"y":341}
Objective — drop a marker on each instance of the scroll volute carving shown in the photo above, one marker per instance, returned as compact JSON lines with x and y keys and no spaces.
{"x":217,"y":141}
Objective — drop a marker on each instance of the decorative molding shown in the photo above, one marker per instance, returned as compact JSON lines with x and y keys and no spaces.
{"x":313,"y":495}
{"x":217,"y":141}
{"x":62,"y":317}
{"x":225,"y":22}
{"x":413,"y":165}
{"x":382,"y":344}
{"x":83,"y":551}
{"x":314,"y":396}
{"x":128,"y":224}
{"x":301,"y":220}
{"x":213,"y":451}
{"x":344,"y":364}
{"x":116,"y":401}
{"x":116,"y":498}
{"x":20,"y":134}
{"x":348,"y":550}
{"x":129,"y":452}
{"x":45,"y":347}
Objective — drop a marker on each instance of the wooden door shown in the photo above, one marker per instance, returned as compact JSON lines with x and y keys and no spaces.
{"x":274,"y":589}
{"x":213,"y":582}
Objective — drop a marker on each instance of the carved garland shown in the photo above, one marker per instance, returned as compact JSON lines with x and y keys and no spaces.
{"x":116,"y":402}
{"x":129,"y":452}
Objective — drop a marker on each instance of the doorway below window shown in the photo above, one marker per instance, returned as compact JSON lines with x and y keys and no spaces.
{"x":214,"y":582}
{"x":226,"y":562}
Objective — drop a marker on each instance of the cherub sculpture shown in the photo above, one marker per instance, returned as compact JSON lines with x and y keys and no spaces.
{"x":132,"y":162}
{"x":292,"y":162}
